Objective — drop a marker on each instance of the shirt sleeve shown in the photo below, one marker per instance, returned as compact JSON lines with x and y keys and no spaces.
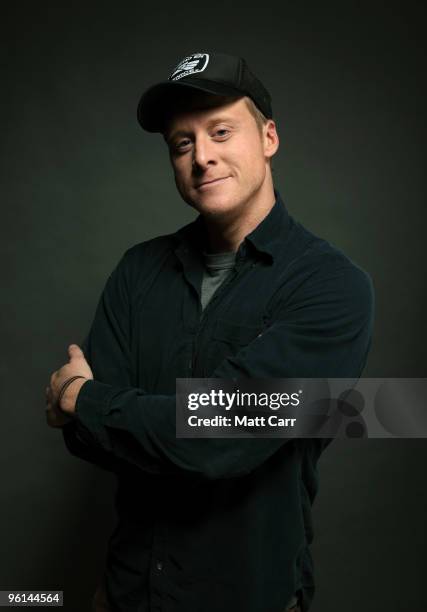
{"x":106,"y":349}
{"x":322,"y":330}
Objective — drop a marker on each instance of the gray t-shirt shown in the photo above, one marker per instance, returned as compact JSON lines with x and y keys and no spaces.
{"x":218,"y":267}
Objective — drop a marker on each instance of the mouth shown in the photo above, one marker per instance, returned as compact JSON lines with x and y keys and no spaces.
{"x":212,"y":183}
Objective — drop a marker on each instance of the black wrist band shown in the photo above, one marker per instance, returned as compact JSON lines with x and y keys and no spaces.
{"x":65,"y":385}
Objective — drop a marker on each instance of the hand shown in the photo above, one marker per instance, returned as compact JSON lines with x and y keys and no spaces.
{"x":58,"y":415}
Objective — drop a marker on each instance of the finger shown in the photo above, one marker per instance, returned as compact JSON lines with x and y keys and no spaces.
{"x":54,"y":419}
{"x":75,"y":352}
{"x":49,"y":395}
{"x":51,"y":419}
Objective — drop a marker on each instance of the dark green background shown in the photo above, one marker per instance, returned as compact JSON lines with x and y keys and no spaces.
{"x":81,"y":182}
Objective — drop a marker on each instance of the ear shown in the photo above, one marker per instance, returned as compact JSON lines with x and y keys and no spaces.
{"x":271,"y":138}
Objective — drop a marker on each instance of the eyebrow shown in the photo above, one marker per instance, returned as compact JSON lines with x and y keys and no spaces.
{"x":209,"y":124}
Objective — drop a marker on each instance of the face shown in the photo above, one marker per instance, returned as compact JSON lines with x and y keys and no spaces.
{"x":220,"y":158}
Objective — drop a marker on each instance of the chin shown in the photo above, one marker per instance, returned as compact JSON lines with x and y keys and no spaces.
{"x":216,"y":203}
{"x":215,"y":206}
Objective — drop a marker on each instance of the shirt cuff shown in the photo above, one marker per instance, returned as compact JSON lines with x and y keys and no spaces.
{"x":92,"y":405}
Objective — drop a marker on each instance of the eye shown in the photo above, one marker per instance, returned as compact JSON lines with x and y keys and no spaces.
{"x":222,"y":132}
{"x":181,"y":144}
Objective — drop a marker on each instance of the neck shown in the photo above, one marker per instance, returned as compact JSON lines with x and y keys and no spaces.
{"x":227,"y":232}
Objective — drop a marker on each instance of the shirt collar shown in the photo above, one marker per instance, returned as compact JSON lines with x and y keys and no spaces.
{"x":268,"y":235}
{"x":266,"y":238}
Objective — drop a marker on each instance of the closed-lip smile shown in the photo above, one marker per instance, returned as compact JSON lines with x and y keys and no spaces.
{"x":211,"y":182}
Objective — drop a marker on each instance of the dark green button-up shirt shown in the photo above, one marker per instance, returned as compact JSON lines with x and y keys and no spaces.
{"x":214,"y":524}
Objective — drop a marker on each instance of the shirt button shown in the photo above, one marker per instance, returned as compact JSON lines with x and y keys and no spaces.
{"x":159,"y":565}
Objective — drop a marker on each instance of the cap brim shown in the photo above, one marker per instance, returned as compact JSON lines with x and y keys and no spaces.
{"x":158,"y":101}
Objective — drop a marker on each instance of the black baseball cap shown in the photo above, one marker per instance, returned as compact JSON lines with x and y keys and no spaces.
{"x":215,"y":73}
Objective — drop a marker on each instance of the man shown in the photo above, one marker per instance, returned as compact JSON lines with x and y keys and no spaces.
{"x":243,"y":291}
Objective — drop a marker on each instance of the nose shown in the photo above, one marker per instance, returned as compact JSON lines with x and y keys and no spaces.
{"x":204,"y":153}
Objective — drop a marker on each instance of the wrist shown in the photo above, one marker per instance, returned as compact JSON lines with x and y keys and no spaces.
{"x":69,"y":398}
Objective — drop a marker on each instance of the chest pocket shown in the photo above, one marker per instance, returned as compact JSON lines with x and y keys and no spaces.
{"x":227,"y":339}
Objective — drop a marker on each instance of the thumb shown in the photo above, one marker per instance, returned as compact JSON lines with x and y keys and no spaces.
{"x":75,"y":352}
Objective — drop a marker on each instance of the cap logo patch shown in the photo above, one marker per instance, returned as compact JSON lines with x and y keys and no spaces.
{"x":190,"y":65}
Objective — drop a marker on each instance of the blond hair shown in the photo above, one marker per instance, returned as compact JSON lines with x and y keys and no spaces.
{"x":259,"y":117}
